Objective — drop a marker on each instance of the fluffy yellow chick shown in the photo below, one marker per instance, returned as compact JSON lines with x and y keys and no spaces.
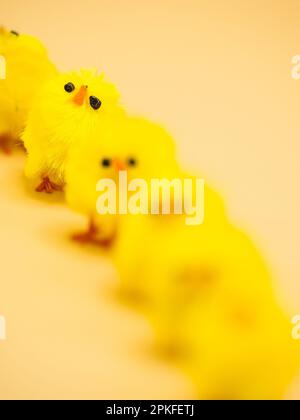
{"x":242,"y":347}
{"x":194,"y":265}
{"x":254,"y":361}
{"x":25,"y":67}
{"x":210,"y":298}
{"x":67,"y":110}
{"x":148,"y":261}
{"x":133,"y":146}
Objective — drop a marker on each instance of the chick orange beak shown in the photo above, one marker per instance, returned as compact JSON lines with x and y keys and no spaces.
{"x":80,"y":96}
{"x":119,"y":165}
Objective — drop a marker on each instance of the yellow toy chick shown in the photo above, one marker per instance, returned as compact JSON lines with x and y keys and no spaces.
{"x":129,"y":145}
{"x":209,"y":295}
{"x":141,"y":271}
{"x":67,"y":110}
{"x":196,"y":264}
{"x":242,"y":346}
{"x":240,"y":338}
{"x":24,"y":67}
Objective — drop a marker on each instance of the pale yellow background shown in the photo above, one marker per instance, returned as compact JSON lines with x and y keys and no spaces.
{"x":218,"y":75}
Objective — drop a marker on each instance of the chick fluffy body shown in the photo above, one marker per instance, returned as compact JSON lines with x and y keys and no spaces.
{"x":136,"y":278}
{"x":57,"y":121}
{"x":27,"y":67}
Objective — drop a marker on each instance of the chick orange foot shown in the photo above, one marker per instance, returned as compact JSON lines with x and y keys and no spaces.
{"x":91,"y":236}
{"x":48,"y":186}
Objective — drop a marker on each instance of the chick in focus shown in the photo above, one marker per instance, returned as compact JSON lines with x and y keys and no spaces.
{"x":132,"y":146}
{"x":68,"y":109}
{"x":26,"y":66}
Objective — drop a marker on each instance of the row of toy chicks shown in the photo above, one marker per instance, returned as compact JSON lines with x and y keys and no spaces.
{"x":206,"y":289}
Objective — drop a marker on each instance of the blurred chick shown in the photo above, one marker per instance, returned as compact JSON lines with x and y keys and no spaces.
{"x":150,"y":261}
{"x":242,"y":347}
{"x":27,"y":66}
{"x":195,"y":265}
{"x":133,"y":146}
{"x":67,"y":110}
{"x":210,"y":298}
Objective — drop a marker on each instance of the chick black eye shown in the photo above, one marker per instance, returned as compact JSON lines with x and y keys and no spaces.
{"x":106,"y":163}
{"x":69,"y":87}
{"x":131,"y":162}
{"x":15,"y":33}
{"x":95,"y":102}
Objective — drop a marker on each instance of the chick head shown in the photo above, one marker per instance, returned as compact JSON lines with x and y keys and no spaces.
{"x":133,"y":145}
{"x":27,"y":67}
{"x":139,"y":147}
{"x":26,"y":58}
{"x":81,"y":97}
{"x":15,"y":40}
